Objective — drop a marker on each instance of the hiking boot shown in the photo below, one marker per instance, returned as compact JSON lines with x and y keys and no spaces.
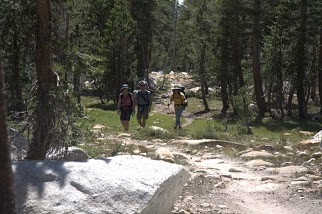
{"x":175,"y":127}
{"x":179,"y":127}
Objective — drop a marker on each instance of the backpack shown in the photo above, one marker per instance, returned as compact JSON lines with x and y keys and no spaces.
{"x":182,"y":88}
{"x":144,"y":96}
{"x":185,"y":103}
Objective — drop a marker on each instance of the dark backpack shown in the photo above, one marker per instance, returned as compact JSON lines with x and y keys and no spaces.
{"x":182,"y":88}
{"x":144,"y":96}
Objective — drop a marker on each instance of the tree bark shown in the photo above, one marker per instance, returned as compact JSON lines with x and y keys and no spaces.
{"x":256,"y":62}
{"x":320,"y":72}
{"x":46,"y":78}
{"x":300,"y":65}
{"x":16,"y":76}
{"x":7,"y":197}
{"x":202,"y":75}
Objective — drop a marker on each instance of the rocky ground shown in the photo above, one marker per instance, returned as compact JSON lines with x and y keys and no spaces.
{"x":264,"y":179}
{"x":255,"y":180}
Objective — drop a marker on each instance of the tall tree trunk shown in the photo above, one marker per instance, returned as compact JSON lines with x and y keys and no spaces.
{"x":256,"y":62}
{"x":279,"y":81}
{"x":224,"y":88}
{"x":289,"y":100}
{"x":237,"y":48}
{"x":16,"y":89}
{"x":76,"y":81}
{"x":202,"y":75}
{"x":46,"y":78}
{"x":320,"y":72}
{"x":300,"y":65}
{"x":269,"y":94}
{"x":7,"y":197}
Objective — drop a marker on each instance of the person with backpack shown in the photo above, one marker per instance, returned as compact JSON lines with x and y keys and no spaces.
{"x":125,"y":106}
{"x":143,"y":101}
{"x":180,"y":102}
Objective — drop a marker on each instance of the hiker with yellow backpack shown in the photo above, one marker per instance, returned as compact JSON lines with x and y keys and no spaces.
{"x":180,"y":102}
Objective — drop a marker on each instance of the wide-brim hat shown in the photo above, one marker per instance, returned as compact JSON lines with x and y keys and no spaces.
{"x":143,"y":82}
{"x":176,"y":88}
{"x":125,"y":86}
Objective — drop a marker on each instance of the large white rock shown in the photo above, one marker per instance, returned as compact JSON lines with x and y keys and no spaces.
{"x":121,"y":184}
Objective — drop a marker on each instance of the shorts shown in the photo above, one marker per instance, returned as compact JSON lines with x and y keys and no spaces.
{"x":143,"y":112}
{"x":126,"y":114}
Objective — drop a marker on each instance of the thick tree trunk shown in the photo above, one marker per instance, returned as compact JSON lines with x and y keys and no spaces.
{"x":289,"y":100}
{"x":256,"y":62}
{"x":202,"y":75}
{"x":237,"y":49}
{"x":15,"y":85}
{"x":7,"y":197}
{"x":320,"y":72}
{"x":300,"y":66}
{"x":224,"y":88}
{"x":46,"y":78}
{"x":279,"y":76}
{"x":76,"y":81}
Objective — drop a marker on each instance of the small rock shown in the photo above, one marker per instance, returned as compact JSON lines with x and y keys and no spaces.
{"x":302,"y":178}
{"x":316,"y":155}
{"x":301,"y":183}
{"x":136,"y":151}
{"x":98,"y":126}
{"x":267,"y":147}
{"x":267,"y":178}
{"x":123,"y":135}
{"x":256,"y":155}
{"x":288,"y":148}
{"x":205,"y":205}
{"x":163,"y":154}
{"x":222,"y":206}
{"x":227,"y":176}
{"x":306,"y":133}
{"x":258,"y":162}
{"x":309,"y":162}
{"x":180,"y":212}
{"x":235,"y":170}
{"x":219,"y":147}
{"x":220,"y":185}
{"x":287,"y":164}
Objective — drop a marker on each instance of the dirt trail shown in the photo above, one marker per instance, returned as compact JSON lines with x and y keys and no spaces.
{"x":243,"y":190}
{"x":221,"y":184}
{"x":225,"y":185}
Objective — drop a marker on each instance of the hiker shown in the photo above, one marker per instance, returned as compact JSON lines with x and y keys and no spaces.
{"x":143,"y":101}
{"x":180,"y":102}
{"x":125,"y":106}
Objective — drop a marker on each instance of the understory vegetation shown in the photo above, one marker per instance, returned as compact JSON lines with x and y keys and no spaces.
{"x":204,"y":126}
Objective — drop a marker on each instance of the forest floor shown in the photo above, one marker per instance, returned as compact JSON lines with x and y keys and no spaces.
{"x":231,"y":185}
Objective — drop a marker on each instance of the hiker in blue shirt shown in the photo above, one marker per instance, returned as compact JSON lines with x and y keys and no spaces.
{"x":143,"y":101}
{"x":125,"y":106}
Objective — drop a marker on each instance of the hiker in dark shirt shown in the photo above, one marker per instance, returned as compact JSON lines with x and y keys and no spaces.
{"x":143,"y":101}
{"x":125,"y":106}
